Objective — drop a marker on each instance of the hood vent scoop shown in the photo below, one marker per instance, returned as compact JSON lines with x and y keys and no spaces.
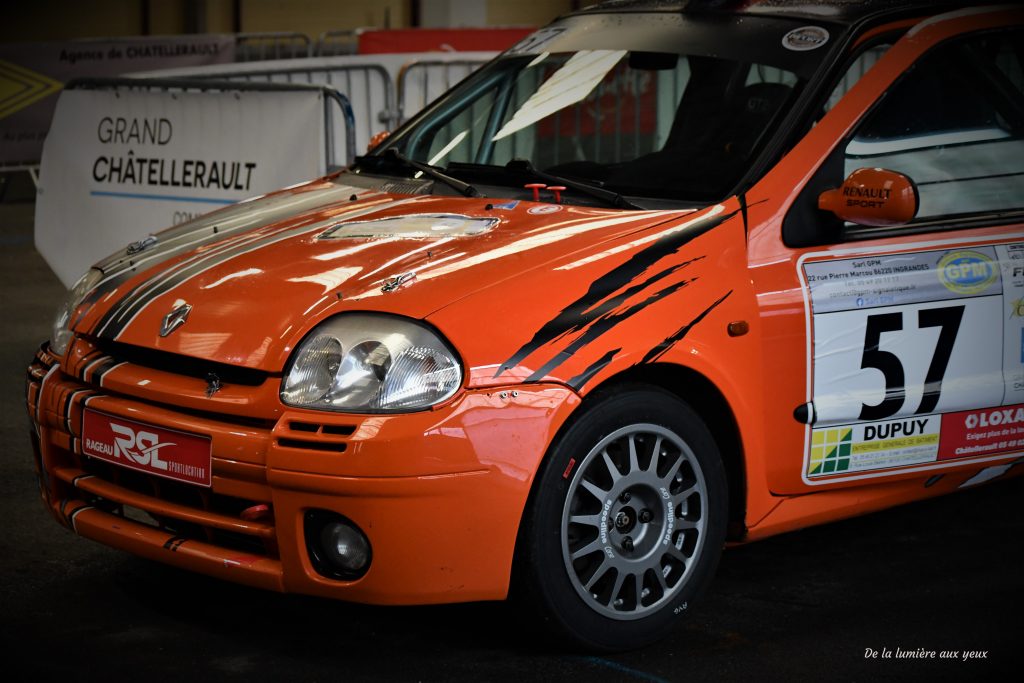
{"x":420,"y":225}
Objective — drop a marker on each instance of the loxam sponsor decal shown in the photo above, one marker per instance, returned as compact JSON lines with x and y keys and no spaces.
{"x":995,"y":418}
{"x":593,"y":313}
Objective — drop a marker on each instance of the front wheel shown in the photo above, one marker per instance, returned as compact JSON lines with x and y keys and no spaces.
{"x":626,"y":523}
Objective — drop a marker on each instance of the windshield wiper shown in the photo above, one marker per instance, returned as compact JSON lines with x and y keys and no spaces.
{"x":465,"y":189}
{"x":610,"y":197}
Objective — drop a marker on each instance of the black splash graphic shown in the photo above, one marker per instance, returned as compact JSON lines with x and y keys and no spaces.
{"x":602,"y":325}
{"x":597,"y":366}
{"x":598,"y":299}
{"x":660,"y":350}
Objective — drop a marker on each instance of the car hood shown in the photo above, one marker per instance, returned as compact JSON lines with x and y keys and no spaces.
{"x":244,"y":284}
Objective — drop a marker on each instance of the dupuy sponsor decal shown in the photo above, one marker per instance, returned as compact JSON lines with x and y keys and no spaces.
{"x":874,"y":446}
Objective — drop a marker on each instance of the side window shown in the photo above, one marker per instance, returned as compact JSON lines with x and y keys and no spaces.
{"x":954,"y":124}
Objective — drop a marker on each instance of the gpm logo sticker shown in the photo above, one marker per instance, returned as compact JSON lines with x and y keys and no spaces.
{"x":967,"y":272}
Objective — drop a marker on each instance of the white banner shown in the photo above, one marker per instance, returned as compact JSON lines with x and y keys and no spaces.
{"x":120,"y":165}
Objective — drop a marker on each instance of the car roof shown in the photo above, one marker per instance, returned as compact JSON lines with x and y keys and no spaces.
{"x":838,"y":11}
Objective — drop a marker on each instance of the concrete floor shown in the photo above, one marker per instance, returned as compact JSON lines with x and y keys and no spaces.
{"x":940,"y":575}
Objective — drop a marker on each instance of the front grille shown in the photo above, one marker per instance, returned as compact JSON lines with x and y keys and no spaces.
{"x":181,"y":365}
{"x":183,"y":510}
{"x":165,"y":489}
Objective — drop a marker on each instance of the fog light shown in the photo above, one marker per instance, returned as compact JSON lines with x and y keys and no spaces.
{"x":345,"y":547}
{"x":337,"y":547}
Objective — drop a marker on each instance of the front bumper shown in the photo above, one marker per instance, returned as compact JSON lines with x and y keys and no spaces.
{"x":438,"y":493}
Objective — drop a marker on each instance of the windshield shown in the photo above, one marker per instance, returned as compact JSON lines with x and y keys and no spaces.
{"x":654,"y":105}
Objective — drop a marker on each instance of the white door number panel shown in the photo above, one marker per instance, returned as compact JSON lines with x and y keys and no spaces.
{"x":917,"y":358}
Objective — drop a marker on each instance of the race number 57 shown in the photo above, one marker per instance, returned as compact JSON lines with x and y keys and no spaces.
{"x":947,"y":320}
{"x":914,"y":359}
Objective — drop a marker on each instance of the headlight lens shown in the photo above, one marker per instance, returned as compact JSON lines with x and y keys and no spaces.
{"x":62,"y":334}
{"x":374,"y":363}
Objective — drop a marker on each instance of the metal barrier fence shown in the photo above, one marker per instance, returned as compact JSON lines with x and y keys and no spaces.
{"x":431,"y":78}
{"x":252,"y":47}
{"x":337,"y":43}
{"x":387,"y":88}
{"x":369,"y":85}
{"x":369,"y":81}
{"x":332,"y":99}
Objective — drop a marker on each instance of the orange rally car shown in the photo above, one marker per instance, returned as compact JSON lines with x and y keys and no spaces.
{"x":657,"y":278}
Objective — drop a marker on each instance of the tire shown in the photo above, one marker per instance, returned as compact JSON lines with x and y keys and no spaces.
{"x":615,"y":542}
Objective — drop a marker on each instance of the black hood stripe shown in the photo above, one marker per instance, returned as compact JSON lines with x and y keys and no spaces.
{"x":121,"y":267}
{"x":226,"y":241}
{"x":119,"y":316}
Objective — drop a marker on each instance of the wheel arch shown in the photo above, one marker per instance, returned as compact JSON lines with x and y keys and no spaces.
{"x":701,"y":394}
{"x":710,"y":404}
{"x":677,"y":382}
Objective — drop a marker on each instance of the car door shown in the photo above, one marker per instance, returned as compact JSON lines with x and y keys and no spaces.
{"x":897,"y":350}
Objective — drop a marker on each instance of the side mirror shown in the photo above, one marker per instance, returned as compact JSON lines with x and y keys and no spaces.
{"x":377,"y":138}
{"x":873,"y":196}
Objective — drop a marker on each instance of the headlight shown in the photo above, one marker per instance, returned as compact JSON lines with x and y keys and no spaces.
{"x":371,"y":363}
{"x":62,"y":334}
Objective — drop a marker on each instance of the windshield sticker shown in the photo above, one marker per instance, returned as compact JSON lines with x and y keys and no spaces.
{"x":571,"y":84}
{"x":538,"y":59}
{"x":535,"y":41}
{"x":805,"y":38}
{"x":446,"y":150}
{"x":416,"y":226}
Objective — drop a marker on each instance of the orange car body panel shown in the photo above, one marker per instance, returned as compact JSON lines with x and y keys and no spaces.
{"x":577,"y":295}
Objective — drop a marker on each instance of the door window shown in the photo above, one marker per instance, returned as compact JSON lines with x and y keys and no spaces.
{"x":955,"y":125}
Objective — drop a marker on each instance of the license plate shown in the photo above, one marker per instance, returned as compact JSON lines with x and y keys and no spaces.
{"x":155,"y":450}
